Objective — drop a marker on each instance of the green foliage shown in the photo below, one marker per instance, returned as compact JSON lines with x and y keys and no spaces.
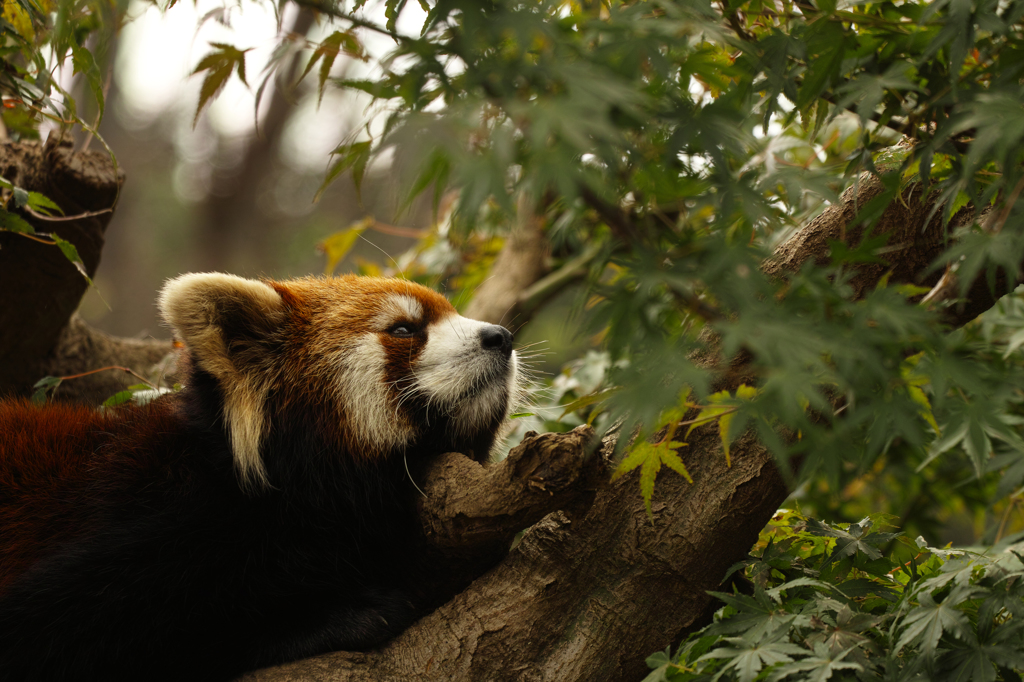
{"x":351,"y":156}
{"x":646,"y":122}
{"x":336,"y":246}
{"x":677,"y":141}
{"x":139,"y":394}
{"x":649,"y":456}
{"x":724,"y":408}
{"x":43,"y":207}
{"x":339,"y":42}
{"x":218,"y":66}
{"x":675,"y":144}
{"x":42,"y":389}
{"x":937,"y":490}
{"x":36,"y":37}
{"x":849,"y":602}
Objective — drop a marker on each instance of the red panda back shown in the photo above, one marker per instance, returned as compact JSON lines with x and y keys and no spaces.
{"x":56,"y":462}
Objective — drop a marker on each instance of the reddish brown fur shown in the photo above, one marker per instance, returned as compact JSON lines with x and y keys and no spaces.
{"x":331,"y":311}
{"x":263,"y":513}
{"x":312,"y":296}
{"x":62,"y":451}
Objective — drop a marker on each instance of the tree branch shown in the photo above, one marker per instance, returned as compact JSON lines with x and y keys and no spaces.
{"x":618,"y":220}
{"x":914,"y":243}
{"x":470,"y":508}
{"x":582,"y":581}
{"x":540,"y":292}
{"x":520,"y":263}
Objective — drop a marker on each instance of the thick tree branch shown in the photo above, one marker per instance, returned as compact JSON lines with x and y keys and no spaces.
{"x":914,"y":243}
{"x":470,"y":508}
{"x":584,"y":581}
{"x":471,"y":514}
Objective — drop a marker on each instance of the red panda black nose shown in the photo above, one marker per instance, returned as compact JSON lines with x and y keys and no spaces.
{"x":494,"y":337}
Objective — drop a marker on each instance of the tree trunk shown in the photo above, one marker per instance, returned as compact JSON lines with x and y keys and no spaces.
{"x":594,"y":586}
{"x":520,"y":263}
{"x":233,"y":220}
{"x":42,"y":289}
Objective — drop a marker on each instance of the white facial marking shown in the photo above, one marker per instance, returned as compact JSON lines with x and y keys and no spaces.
{"x":365,"y":395}
{"x":481,"y":410}
{"x":462,"y":378}
{"x":396,"y":308}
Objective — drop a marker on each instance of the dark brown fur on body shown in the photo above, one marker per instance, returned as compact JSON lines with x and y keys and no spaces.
{"x":261,"y":514}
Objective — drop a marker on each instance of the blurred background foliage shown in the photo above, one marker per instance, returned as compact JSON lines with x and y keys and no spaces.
{"x":665,"y":146}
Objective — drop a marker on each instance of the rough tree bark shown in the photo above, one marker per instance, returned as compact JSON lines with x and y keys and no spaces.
{"x":912,"y":244}
{"x":594,"y":587}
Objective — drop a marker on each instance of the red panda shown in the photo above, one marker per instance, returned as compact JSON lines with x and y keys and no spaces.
{"x":261,"y":514}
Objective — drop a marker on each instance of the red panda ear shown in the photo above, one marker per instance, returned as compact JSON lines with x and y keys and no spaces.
{"x":211,"y":311}
{"x":227,"y":323}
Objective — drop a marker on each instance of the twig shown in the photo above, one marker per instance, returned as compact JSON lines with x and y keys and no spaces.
{"x":547,"y":286}
{"x":328,"y":8}
{"x":103,"y":369}
{"x":65,"y":218}
{"x":36,"y":238}
{"x":945,"y":289}
{"x":734,"y":22}
{"x":617,"y":219}
{"x":1006,"y":517}
{"x":697,"y":306}
{"x":997,"y":225}
{"x":398,"y":231}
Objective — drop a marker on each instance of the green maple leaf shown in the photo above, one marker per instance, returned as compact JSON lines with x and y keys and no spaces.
{"x":650,"y":457}
{"x":218,"y":65}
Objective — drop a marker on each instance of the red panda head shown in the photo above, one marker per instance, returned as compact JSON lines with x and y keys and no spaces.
{"x":388,"y":364}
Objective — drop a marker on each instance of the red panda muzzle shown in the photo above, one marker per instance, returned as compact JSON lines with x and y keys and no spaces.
{"x":263,"y":513}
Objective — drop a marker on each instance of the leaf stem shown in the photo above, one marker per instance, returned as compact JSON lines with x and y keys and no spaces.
{"x":328,"y":8}
{"x":103,"y":369}
{"x":66,"y":218}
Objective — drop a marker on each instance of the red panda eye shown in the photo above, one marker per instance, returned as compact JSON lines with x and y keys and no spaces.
{"x":402,"y":330}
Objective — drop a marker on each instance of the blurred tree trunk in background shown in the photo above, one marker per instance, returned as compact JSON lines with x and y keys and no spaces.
{"x":233,"y":220}
{"x":236,"y":221}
